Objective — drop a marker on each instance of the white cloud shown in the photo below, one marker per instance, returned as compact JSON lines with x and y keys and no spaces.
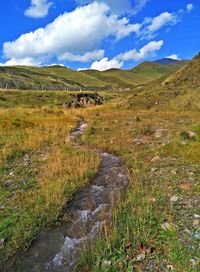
{"x":120,"y":6}
{"x":151,"y":26}
{"x":89,"y":56}
{"x":117,"y":62}
{"x":174,"y":56}
{"x":147,"y":51}
{"x":163,"y":19}
{"x":76,"y":32}
{"x":189,"y":7}
{"x":105,"y":64}
{"x":25,"y":62}
{"x":38,"y":8}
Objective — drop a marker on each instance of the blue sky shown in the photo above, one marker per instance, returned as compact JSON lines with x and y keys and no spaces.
{"x":98,"y":34}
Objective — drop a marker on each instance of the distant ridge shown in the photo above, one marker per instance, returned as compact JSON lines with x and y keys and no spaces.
{"x":166,"y":61}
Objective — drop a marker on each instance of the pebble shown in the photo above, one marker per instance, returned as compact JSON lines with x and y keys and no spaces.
{"x":141,"y":257}
{"x":197,"y":235}
{"x":196,"y":222}
{"x":106,"y":264}
{"x":2,"y":241}
{"x":155,"y":159}
{"x":174,"y":199}
{"x":2,"y":207}
{"x":168,"y":226}
{"x":196,"y":216}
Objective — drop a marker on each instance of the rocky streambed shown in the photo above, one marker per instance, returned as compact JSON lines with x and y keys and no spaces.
{"x":91,"y":208}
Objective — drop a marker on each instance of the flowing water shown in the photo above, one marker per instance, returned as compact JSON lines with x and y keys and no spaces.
{"x":59,"y":249}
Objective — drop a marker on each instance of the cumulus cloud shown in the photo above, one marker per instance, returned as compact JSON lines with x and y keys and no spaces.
{"x":76,"y":32}
{"x":120,"y":6}
{"x":174,"y":56}
{"x":25,"y":61}
{"x":151,"y":25}
{"x":89,"y":56}
{"x":189,"y":7}
{"x":38,"y":8}
{"x":146,"y":51}
{"x":105,"y":64}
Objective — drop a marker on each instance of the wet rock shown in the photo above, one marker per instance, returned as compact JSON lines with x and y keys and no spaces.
{"x":155,"y":159}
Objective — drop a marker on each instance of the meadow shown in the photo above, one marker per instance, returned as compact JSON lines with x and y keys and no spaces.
{"x":156,"y":226}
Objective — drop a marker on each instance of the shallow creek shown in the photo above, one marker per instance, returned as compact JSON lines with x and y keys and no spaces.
{"x":91,"y":208}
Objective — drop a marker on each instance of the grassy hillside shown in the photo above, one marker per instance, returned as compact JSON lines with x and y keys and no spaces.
{"x":61,"y":78}
{"x":142,"y":74}
{"x":188,"y":76}
{"x":49,"y":78}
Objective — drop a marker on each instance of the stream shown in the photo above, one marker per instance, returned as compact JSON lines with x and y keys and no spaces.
{"x":59,"y":249}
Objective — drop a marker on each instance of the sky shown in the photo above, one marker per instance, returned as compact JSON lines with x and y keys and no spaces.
{"x":101,"y":34}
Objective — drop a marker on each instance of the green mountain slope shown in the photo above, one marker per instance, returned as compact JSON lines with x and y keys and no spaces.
{"x":142,"y":74}
{"x":61,"y":78}
{"x":189,"y":75}
{"x":49,"y":78}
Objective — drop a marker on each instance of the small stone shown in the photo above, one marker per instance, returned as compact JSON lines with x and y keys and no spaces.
{"x":155,"y":159}
{"x":2,"y":241}
{"x":154,"y":170}
{"x":138,"y":119}
{"x":152,"y":199}
{"x":168,"y":226}
{"x":2,"y":207}
{"x":196,"y":222}
{"x":196,"y":216}
{"x":170,"y":267}
{"x":141,"y":257}
{"x":197,"y":235}
{"x":173,"y":172}
{"x":106,"y":264}
{"x":183,"y":143}
{"x":174,"y":199}
{"x":186,"y":186}
{"x":190,"y":135}
{"x":11,"y":173}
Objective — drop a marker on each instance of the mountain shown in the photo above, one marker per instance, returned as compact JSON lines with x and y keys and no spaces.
{"x":187,"y":76}
{"x":48,"y":78}
{"x":142,"y":74}
{"x":59,"y":78}
{"x":166,"y":61}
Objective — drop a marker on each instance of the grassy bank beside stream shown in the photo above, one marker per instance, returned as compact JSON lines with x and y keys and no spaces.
{"x":157,"y":227}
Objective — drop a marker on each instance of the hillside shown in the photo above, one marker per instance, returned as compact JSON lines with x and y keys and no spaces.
{"x":142,"y":74}
{"x":49,"y":78}
{"x":61,"y":78}
{"x":189,"y":75}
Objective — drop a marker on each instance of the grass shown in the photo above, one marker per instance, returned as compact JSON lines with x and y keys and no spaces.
{"x":38,"y":159}
{"x":138,"y":221}
{"x":39,"y":171}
